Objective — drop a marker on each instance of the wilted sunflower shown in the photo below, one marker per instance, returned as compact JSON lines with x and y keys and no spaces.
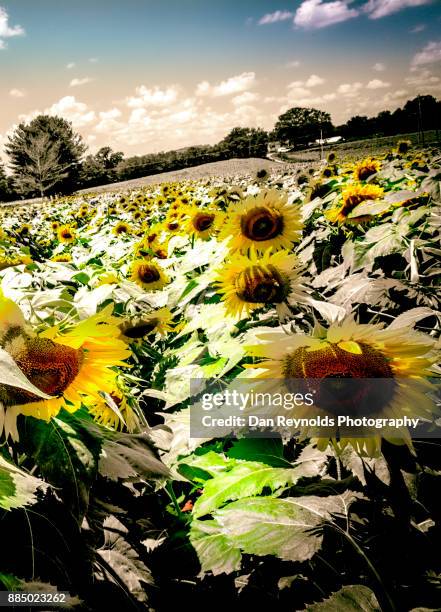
{"x":262,"y":221}
{"x":148,"y":275}
{"x":352,"y":196}
{"x":248,"y":282}
{"x":156,"y":322}
{"x":261,"y":175}
{"x":113,"y":411}
{"x":366,"y":168}
{"x":121,"y":228}
{"x":349,"y":350}
{"x":66,"y":234}
{"x":25,"y":229}
{"x":204,"y":222}
{"x":403,"y":147}
{"x":73,"y":366}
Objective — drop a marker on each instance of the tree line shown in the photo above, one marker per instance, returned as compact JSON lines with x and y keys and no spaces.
{"x":46,"y":156}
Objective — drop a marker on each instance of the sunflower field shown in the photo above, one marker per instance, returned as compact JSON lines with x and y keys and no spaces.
{"x":112,"y":304}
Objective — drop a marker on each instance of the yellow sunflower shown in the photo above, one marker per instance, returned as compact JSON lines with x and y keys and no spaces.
{"x":251,"y":281}
{"x":73,"y":366}
{"x":262,"y":221}
{"x":62,"y":258}
{"x":148,"y":275}
{"x":204,"y":222}
{"x":66,"y":234}
{"x":349,"y":350}
{"x":366,"y":168}
{"x":352,"y":196}
{"x":121,"y":228}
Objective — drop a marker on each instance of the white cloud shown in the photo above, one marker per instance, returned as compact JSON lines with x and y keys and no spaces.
{"x":79,"y":82}
{"x":349,"y":90}
{"x":153,"y":97}
{"x":246,"y":98}
{"x":275,"y":17}
{"x":422,"y":78}
{"x":379,"y":67}
{"x":418,"y":28}
{"x":70,"y":65}
{"x":235,"y":84}
{"x":6,"y":31}
{"x":93,"y":60}
{"x":314,"y":80}
{"x":293,"y":64}
{"x":383,"y":8}
{"x":17,"y":93}
{"x":377,"y":84}
{"x":76,"y":112}
{"x":431,"y":53}
{"x":313,"y":14}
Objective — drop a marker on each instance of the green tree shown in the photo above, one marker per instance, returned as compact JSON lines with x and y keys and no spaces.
{"x":299,"y":125}
{"x":245,"y":142}
{"x":100,"y":169}
{"x":45,"y":156}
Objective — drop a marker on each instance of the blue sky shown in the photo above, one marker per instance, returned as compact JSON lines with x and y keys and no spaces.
{"x":146,"y":75}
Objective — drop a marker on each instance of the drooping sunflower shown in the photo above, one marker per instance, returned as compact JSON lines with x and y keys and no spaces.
{"x":366,"y":168}
{"x":401,"y":359}
{"x":66,"y":234}
{"x":262,"y":221}
{"x":156,"y":322}
{"x":72,"y":365}
{"x":148,"y":274}
{"x":352,"y":196}
{"x":204,"y":222}
{"x":251,"y":281}
{"x":113,"y":411}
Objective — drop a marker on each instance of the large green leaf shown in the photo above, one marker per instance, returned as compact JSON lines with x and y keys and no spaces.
{"x":66,"y":450}
{"x":352,"y":598}
{"x":264,"y":450}
{"x":215,"y":550}
{"x":285,"y":527}
{"x":17,"y":487}
{"x":244,"y":480}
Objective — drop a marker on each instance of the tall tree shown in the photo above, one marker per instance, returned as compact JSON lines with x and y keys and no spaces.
{"x":6,"y":187}
{"x":45,"y":155}
{"x":100,"y":169}
{"x":300,"y":125}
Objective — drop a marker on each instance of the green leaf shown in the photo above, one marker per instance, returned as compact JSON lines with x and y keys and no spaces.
{"x":243,"y":480}
{"x":265,"y":450}
{"x":211,"y":463}
{"x":17,"y":487}
{"x":66,"y":451}
{"x":215,"y":551}
{"x":286,"y":528}
{"x":352,"y":598}
{"x":369,"y":207}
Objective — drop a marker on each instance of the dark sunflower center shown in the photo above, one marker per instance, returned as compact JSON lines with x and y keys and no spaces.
{"x":49,"y":366}
{"x":122,"y":229}
{"x":342,"y":395}
{"x":262,"y":285}
{"x":141,"y":330}
{"x":365,"y":172}
{"x":67,"y":235}
{"x":148,"y":273}
{"x":173,"y":226}
{"x":261,"y":174}
{"x":203,"y":221}
{"x":261,"y":224}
